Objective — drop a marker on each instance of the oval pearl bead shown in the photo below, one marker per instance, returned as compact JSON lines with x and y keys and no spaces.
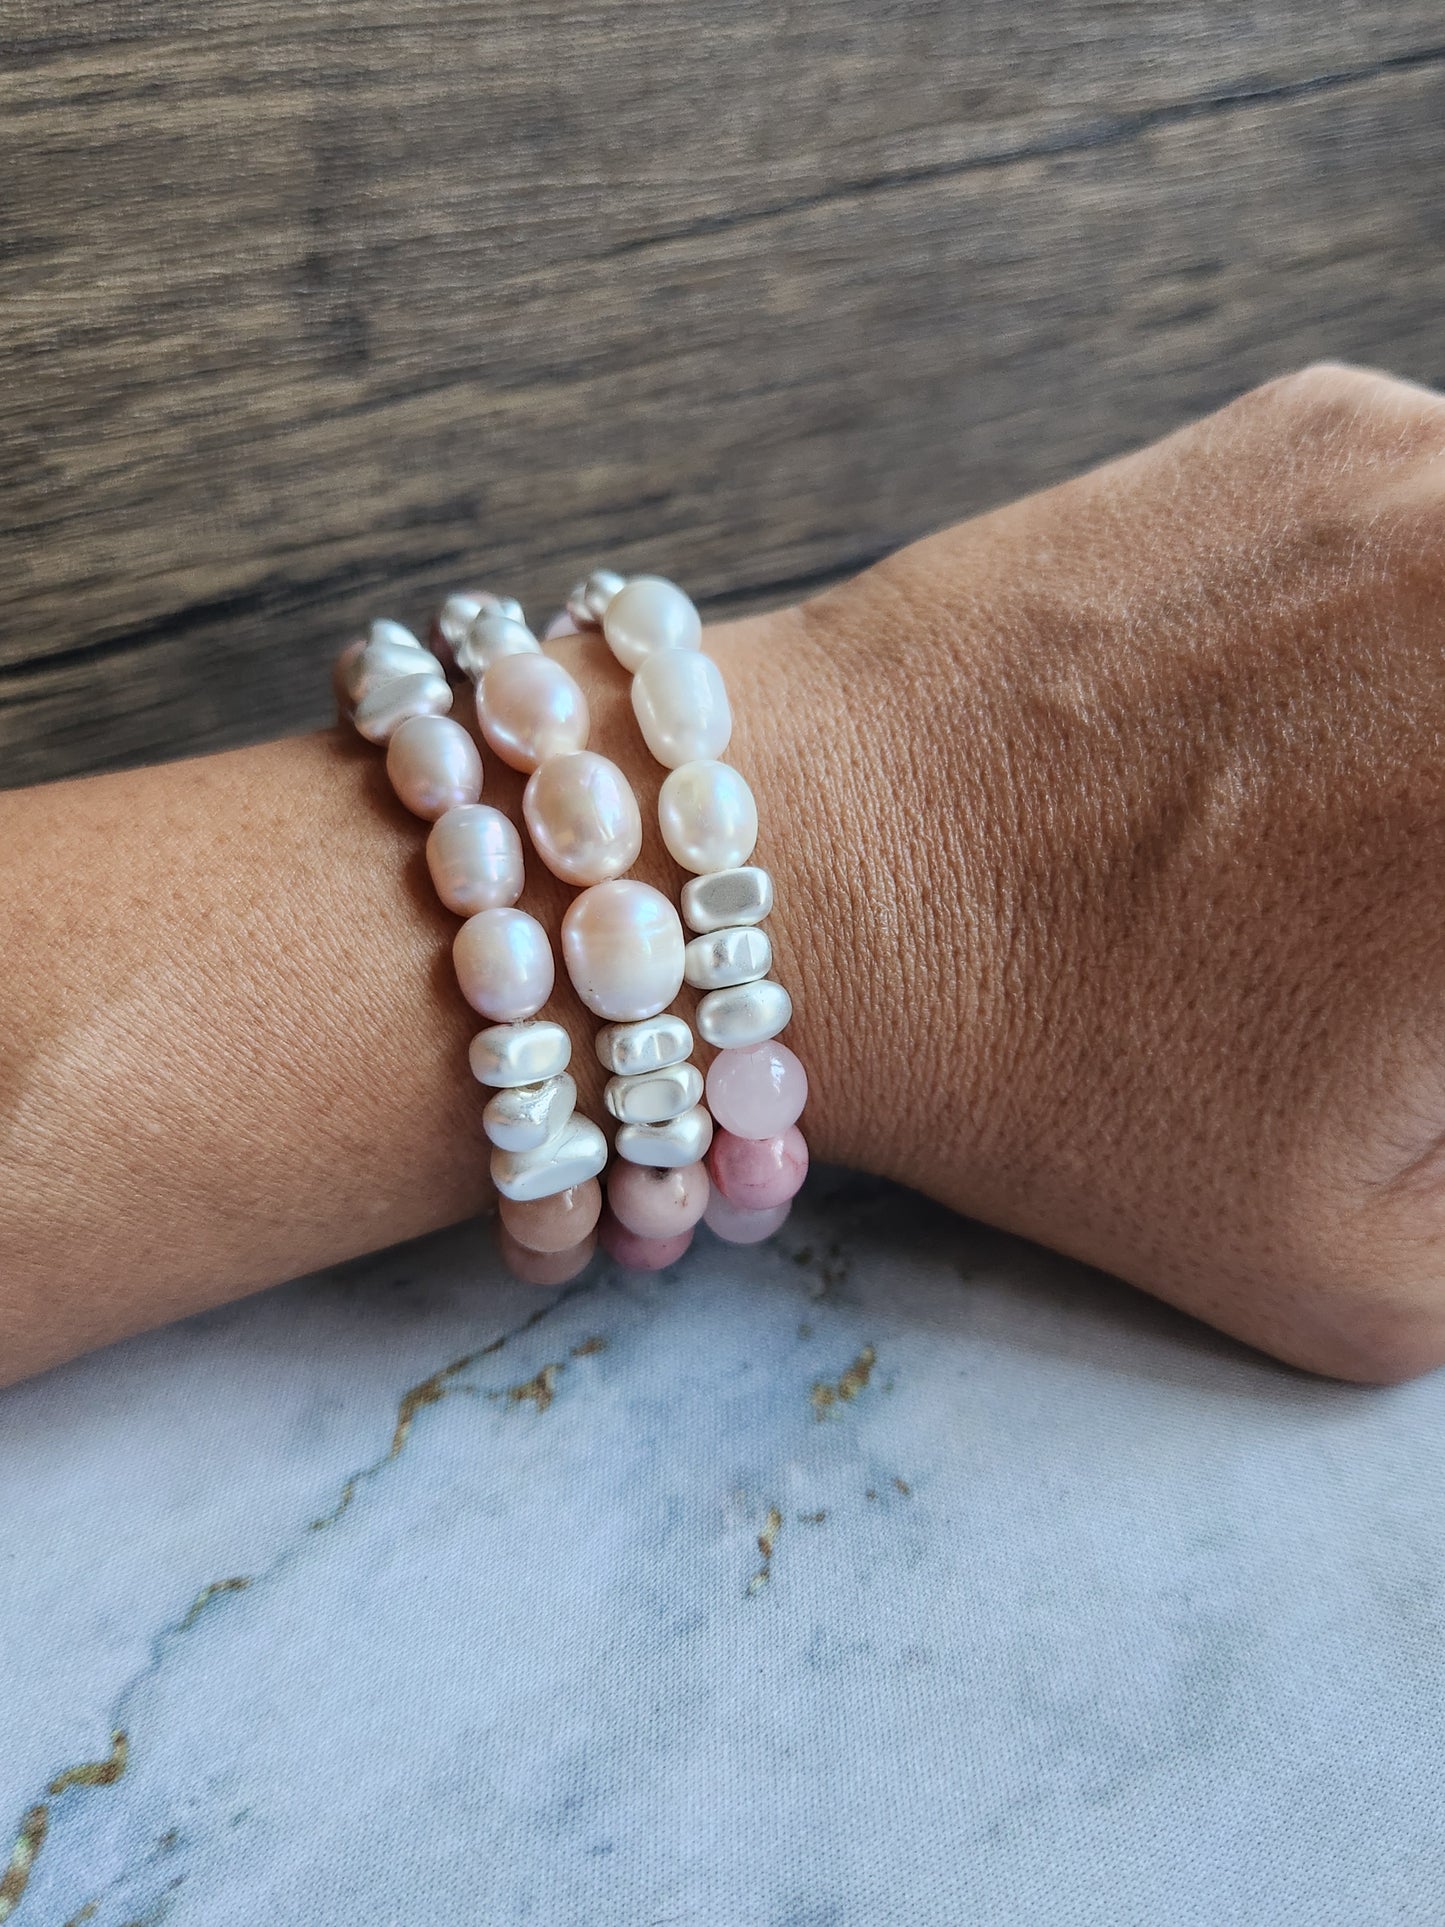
{"x":530,"y":708}
{"x":579,"y":1152}
{"x":512,"y":1054}
{"x":681,"y":706}
{"x":490,"y":637}
{"x":583,"y":817}
{"x":527,"y":1116}
{"x":708,"y":817}
{"x":504,"y":964}
{"x":387,"y":705}
{"x":646,"y":614}
{"x":623,"y":947}
{"x":723,"y":958}
{"x":546,"y":1269}
{"x":556,"y":1223}
{"x":628,"y":1050}
{"x":681,"y":1140}
{"x":588,"y":602}
{"x":475,"y":858}
{"x":758,"y":1173}
{"x":746,"y":1014}
{"x":734,"y":1226}
{"x":656,"y":1098}
{"x":654,"y":1203}
{"x":743,"y":895}
{"x":757,"y":1093}
{"x":641,"y":1254}
{"x":433,"y":765}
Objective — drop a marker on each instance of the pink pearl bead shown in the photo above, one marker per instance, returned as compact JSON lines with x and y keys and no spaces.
{"x":341,"y":672}
{"x":623,"y":946}
{"x":544,"y":1268}
{"x":657,"y":1204}
{"x":504,"y":965}
{"x":530,"y":708}
{"x":757,"y":1092}
{"x":757,"y":1173}
{"x":583,"y":816}
{"x":641,"y":1254}
{"x":734,"y":1226}
{"x":434,"y":766}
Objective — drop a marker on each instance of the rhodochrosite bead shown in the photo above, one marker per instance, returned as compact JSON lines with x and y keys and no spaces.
{"x":641,"y":1254}
{"x":530,"y":708}
{"x":583,"y":818}
{"x":475,"y":858}
{"x":757,"y":1173}
{"x":737,"y":1226}
{"x":647,"y":614}
{"x":653,"y":1203}
{"x":623,"y":946}
{"x":708,"y":818}
{"x":433,"y":765}
{"x":504,"y":964}
{"x":759,"y":1092}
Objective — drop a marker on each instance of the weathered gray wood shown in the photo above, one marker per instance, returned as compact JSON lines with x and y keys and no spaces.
{"x":314,"y":311}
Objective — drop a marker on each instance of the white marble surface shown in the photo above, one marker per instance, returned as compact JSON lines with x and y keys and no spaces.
{"x":1074,"y":1613}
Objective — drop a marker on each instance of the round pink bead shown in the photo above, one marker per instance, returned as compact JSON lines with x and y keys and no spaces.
{"x":545,"y":1268}
{"x":757,"y":1092}
{"x":759,"y":1172}
{"x":641,"y":1254}
{"x":657,"y":1204}
{"x":734,"y":1226}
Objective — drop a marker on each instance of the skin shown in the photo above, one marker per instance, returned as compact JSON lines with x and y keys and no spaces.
{"x":1107,"y":830}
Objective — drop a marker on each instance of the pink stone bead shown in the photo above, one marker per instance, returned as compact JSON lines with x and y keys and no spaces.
{"x":530,"y":708}
{"x":734,"y":1226}
{"x":544,"y":1268}
{"x":757,"y":1092}
{"x":641,"y":1254}
{"x":657,"y":1204}
{"x":759,"y":1172}
{"x":558,"y":1223}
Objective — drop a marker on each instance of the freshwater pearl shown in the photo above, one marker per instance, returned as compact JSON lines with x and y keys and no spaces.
{"x":735,"y":1226}
{"x":556,"y":1223}
{"x":622,"y":944}
{"x":490,"y":637}
{"x":727,"y":896}
{"x":512,"y":1054}
{"x":708,"y":817}
{"x":387,"y":705}
{"x":757,"y":1173}
{"x":681,"y":1140}
{"x":588,"y":602}
{"x":530,"y":708}
{"x":560,"y":625}
{"x":546,"y":1269}
{"x":583,"y":817}
{"x":681,"y":705}
{"x":646,"y":614}
{"x":655,"y":1098}
{"x":434,"y":766}
{"x":527,"y":1116}
{"x":757,"y":1093}
{"x":504,"y":964}
{"x":653,"y":1203}
{"x":475,"y":858}
{"x":342,"y":672}
{"x":460,"y":611}
{"x":577,"y":1153}
{"x":383,"y":660}
{"x":386,"y":634}
{"x":641,"y":1254}
{"x":744,"y":1015}
{"x":723,"y":958}
{"x":629,"y":1050}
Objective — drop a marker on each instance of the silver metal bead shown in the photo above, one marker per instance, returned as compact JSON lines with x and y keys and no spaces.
{"x":656,"y":1096}
{"x":682,"y":1140}
{"x":507,"y":1055}
{"x":578,"y":1152}
{"x":744,"y":1015}
{"x":739,"y":955}
{"x":489,"y":637}
{"x":743,"y":895}
{"x":524,"y":1117}
{"x":588,"y":602}
{"x":630,"y":1050}
{"x":386,"y":706}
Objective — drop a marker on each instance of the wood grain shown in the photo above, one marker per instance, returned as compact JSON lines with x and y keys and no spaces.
{"x":312,"y":311}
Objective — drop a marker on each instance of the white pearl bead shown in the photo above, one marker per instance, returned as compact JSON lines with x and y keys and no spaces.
{"x":434,"y":766}
{"x":656,"y":1098}
{"x":383,"y":661}
{"x":727,"y":896}
{"x":724,"y":957}
{"x":646,"y":614}
{"x":387,"y":705}
{"x":530,"y":708}
{"x":490,"y":637}
{"x":681,"y":705}
{"x":682,"y":1140}
{"x":708,"y":817}
{"x":577,"y":1153}
{"x":386,"y":634}
{"x":461,"y":609}
{"x":512,"y":1054}
{"x":623,"y":947}
{"x":747,"y":1014}
{"x":504,"y":964}
{"x":628,"y":1050}
{"x":588,"y":602}
{"x":524,"y":1117}
{"x":583,"y":817}
{"x":475,"y":858}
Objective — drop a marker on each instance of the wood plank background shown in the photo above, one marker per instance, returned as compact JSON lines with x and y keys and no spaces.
{"x":311,"y":310}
